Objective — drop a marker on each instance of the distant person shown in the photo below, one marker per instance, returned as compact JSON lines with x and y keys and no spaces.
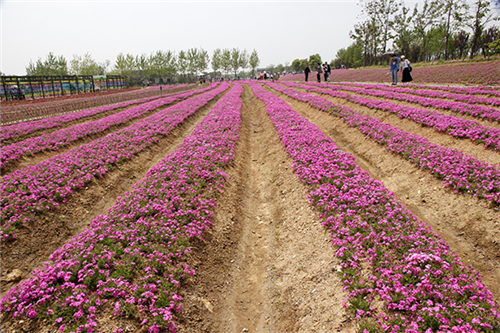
{"x":319,"y":69}
{"x":307,"y":70}
{"x":328,"y":71}
{"x":405,"y":68}
{"x":394,"y":66}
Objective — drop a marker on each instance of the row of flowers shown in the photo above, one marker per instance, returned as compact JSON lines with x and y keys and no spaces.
{"x":423,"y":91}
{"x":63,"y":137}
{"x":17,"y":132}
{"x":34,"y":189}
{"x":48,"y":107}
{"x":472,"y":90}
{"x":457,"y":127}
{"x":490,"y":114}
{"x":388,"y":256}
{"x":485,"y":73}
{"x":131,"y":262}
{"x":461,"y":172}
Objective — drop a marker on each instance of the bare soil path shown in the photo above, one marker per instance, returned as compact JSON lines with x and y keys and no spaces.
{"x":40,"y":238}
{"x":267,"y":265}
{"x":470,"y":226}
{"x":440,"y":138}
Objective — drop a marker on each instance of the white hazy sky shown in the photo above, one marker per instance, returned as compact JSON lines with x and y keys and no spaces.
{"x":280,"y":31}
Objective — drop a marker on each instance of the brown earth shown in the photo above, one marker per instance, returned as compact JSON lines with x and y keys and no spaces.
{"x":470,"y":226}
{"x":38,"y":239}
{"x":268,"y":265}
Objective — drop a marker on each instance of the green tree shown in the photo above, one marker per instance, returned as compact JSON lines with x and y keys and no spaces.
{"x":124,"y":64}
{"x":404,"y":35}
{"x":254,"y":61}
{"x":314,"y":59}
{"x":217,"y":61}
{"x":51,"y":66}
{"x":381,"y":15}
{"x":482,"y":16}
{"x":86,"y":65}
{"x":296,"y":65}
{"x":226,"y":61}
{"x":455,"y":15}
{"x":424,"y":20}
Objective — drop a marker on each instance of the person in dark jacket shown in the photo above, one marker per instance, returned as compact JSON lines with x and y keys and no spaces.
{"x":307,"y":70}
{"x":320,"y":70}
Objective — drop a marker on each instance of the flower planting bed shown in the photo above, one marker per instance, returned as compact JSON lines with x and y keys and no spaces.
{"x":250,"y":208}
{"x":48,"y":108}
{"x":465,"y":95}
{"x":484,"y":73}
{"x":487,"y":113}
{"x":32,"y":190}
{"x":130,"y":262}
{"x":461,"y":172}
{"x":57,"y":139}
{"x":454,"y":126}
{"x":388,"y":255}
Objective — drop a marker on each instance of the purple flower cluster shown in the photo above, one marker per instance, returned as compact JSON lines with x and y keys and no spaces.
{"x":466,"y":96}
{"x":131,"y":261}
{"x":475,"y":90}
{"x":461,"y":172}
{"x":400,"y":276}
{"x":65,"y":136}
{"x":34,"y":189}
{"x":46,"y":107}
{"x":17,"y":132}
{"x":490,"y":114}
{"x":454,"y":126}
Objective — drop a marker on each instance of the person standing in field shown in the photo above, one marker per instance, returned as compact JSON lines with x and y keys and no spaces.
{"x":307,"y":70}
{"x":319,"y":69}
{"x":328,"y":71}
{"x":394,"y":66}
{"x":405,"y":68}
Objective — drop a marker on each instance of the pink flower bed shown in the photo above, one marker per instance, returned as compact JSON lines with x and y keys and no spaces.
{"x":388,"y":256}
{"x":46,"y":108}
{"x":461,"y":172}
{"x":454,"y":126}
{"x":34,"y":189}
{"x":401,"y":94}
{"x":131,"y":262}
{"x":485,"y":73}
{"x":57,"y":139}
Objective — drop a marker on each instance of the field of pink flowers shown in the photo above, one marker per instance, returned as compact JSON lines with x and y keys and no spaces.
{"x":484,"y":73}
{"x":404,"y":183}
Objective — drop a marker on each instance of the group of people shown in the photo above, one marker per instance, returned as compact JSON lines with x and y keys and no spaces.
{"x":396,"y":64}
{"x":320,"y":68}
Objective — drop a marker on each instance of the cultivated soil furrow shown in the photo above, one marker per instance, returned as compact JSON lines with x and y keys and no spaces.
{"x":267,"y":265}
{"x":492,"y":124}
{"x":470,"y":226}
{"x":38,"y":239}
{"x":440,"y":138}
{"x":45,"y":155}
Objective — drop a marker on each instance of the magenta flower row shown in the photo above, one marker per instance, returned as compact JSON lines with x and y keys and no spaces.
{"x":17,"y":132}
{"x":131,"y":262}
{"x":34,"y":189}
{"x":388,"y":256}
{"x":474,"y":90}
{"x":451,"y":125}
{"x":48,"y":107}
{"x":487,"y":113}
{"x":486,"y":73}
{"x":461,"y":172}
{"x":63,"y":137}
{"x":465,"y":97}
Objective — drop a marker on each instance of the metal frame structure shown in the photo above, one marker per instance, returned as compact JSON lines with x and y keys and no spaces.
{"x":42,"y":86}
